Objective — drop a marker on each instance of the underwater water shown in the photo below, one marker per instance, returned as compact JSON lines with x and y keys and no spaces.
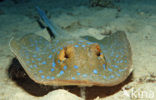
{"x":77,"y":49}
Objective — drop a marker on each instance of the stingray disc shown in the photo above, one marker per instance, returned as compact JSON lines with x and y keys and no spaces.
{"x":82,"y":62}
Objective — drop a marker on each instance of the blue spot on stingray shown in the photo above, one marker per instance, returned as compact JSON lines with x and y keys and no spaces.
{"x":104,"y":66}
{"x":52,"y":77}
{"x":76,"y":46}
{"x":109,"y":69}
{"x":35,"y":66}
{"x":53,"y":64}
{"x":42,"y":76}
{"x":30,"y":66}
{"x":65,"y":67}
{"x":117,"y":56}
{"x":58,"y":61}
{"x":37,"y":48}
{"x":75,"y":66}
{"x":104,"y":77}
{"x":84,"y":75}
{"x":27,"y":62}
{"x":39,"y":59}
{"x":73,"y":78}
{"x":33,"y":61}
{"x":78,"y":73}
{"x":83,"y":45}
{"x":116,"y":66}
{"x":121,"y":61}
{"x":61,"y":72}
{"x":44,"y":62}
{"x":61,"y":48}
{"x":40,"y":71}
{"x":95,"y":71}
{"x":111,"y":76}
{"x":34,"y":56}
{"x":53,"y":50}
{"x":89,"y":42}
{"x":125,"y":61}
{"x":58,"y":52}
{"x":48,"y":77}
{"x":52,"y":69}
{"x":50,"y":56}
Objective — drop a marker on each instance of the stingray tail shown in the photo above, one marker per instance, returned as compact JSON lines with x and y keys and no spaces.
{"x":46,"y":21}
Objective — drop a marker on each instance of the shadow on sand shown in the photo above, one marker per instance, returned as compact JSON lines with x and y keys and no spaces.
{"x":17,"y":74}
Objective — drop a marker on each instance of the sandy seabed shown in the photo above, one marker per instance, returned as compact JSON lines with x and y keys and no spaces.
{"x":138,"y":20}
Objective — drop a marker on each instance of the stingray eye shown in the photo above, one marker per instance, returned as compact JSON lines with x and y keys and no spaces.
{"x":98,"y":50}
{"x":69,"y":51}
{"x":95,"y":48}
{"x":66,"y":53}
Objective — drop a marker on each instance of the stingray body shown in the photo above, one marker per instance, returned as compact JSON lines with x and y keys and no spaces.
{"x":77,"y":61}
{"x":67,"y":60}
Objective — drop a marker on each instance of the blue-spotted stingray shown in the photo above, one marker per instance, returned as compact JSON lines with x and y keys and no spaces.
{"x":74,"y":61}
{"x":68,"y":60}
